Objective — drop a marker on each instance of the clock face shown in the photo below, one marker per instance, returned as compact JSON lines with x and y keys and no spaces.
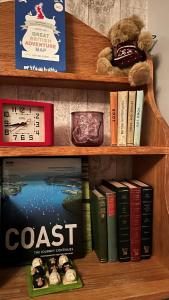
{"x":23,"y":123}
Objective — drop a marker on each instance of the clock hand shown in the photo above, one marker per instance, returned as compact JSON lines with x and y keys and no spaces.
{"x":16,"y":124}
{"x":19,"y":124}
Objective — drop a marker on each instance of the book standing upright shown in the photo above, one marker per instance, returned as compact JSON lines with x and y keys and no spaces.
{"x":40,"y":35}
{"x":123,"y":218}
{"x":111,"y":222}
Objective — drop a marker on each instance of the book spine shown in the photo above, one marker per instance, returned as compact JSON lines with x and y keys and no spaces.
{"x":146,"y":227}
{"x":113,"y":117}
{"x":87,"y":231}
{"x":122,"y":118}
{"x":99,"y":227}
{"x":135,"y":224}
{"x":131,"y":118}
{"x":138,"y":117}
{"x":111,"y":227}
{"x":123,"y":225}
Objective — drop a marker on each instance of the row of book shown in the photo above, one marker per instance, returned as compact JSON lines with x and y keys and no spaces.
{"x":121,"y":213}
{"x":126,"y":109}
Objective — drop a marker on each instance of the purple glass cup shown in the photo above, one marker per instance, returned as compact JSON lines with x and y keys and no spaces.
{"x":87,"y":128}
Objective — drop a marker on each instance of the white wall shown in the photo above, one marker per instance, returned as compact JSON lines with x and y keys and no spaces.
{"x":158,"y":23}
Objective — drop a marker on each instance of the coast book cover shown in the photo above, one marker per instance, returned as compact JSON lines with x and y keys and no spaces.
{"x":41,"y":208}
{"x":40,"y":35}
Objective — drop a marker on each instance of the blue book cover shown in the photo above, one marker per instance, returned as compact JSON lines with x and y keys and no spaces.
{"x":40,"y":35}
{"x":41,"y":208}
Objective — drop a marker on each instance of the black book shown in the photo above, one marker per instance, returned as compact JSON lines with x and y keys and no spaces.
{"x":146,"y":217}
{"x":123,"y":218}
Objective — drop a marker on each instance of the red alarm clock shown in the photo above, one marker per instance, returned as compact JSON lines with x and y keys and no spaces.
{"x":26,"y":123}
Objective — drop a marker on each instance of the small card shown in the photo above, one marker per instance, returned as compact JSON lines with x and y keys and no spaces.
{"x":40,"y":35}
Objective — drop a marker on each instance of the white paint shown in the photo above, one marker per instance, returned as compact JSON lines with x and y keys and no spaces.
{"x":158,"y":23}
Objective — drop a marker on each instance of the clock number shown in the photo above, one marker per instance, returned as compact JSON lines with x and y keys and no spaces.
{"x":22,"y":109}
{"x":37,"y":132}
{"x":22,"y":137}
{"x":37,"y":124}
{"x":6,"y":113}
{"x":6,"y":122}
{"x":31,"y":137}
{"x":6,"y":132}
{"x":15,"y":136}
{"x":37,"y":115}
{"x":14,"y":108}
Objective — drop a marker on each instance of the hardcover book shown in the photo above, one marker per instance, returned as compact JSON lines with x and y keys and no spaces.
{"x":122,"y":118}
{"x":113,"y":117}
{"x":87,"y":230}
{"x":40,"y":35}
{"x":41,"y":208}
{"x":99,"y":225}
{"x":146,"y":217}
{"x":123,"y":218}
{"x":135,"y":220}
{"x":111,"y":222}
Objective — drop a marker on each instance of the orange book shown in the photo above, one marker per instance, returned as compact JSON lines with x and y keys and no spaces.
{"x":113,"y":117}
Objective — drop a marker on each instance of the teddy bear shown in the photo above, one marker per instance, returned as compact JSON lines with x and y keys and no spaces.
{"x":128,"y":52}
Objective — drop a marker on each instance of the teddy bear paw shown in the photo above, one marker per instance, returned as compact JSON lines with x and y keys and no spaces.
{"x":103,"y":65}
{"x":139,"y":74}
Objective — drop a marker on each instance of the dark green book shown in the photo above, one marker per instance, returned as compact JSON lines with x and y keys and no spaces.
{"x":111,"y":222}
{"x":99,"y":225}
{"x":146,"y":217}
{"x":87,"y":234}
{"x":123,"y":218}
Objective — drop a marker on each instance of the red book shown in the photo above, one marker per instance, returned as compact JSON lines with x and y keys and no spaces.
{"x":135,"y":221}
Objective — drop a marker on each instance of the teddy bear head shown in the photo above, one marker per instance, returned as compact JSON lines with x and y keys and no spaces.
{"x":126,"y":29}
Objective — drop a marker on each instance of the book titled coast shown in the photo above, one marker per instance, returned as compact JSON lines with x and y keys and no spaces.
{"x":40,"y":35}
{"x":41,"y":208}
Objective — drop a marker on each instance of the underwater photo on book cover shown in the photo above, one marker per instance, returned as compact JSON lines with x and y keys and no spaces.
{"x":41,"y":208}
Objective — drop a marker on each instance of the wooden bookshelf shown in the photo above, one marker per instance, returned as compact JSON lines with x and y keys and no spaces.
{"x":147,"y":279}
{"x":81,"y":151}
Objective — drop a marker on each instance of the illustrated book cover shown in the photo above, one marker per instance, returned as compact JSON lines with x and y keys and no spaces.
{"x":40,"y":35}
{"x":41,"y":208}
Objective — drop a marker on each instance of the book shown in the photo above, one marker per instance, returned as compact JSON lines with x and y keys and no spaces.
{"x":99,"y":225}
{"x":135,"y":220}
{"x":40,"y":35}
{"x":146,"y":217}
{"x":138,"y":117}
{"x":123,"y":218}
{"x":87,"y":230}
{"x":41,"y":208}
{"x":122,"y":118}
{"x":111,"y":222}
{"x":113,"y":117}
{"x":131,"y":118}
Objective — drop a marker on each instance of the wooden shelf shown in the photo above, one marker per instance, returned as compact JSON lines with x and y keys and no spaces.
{"x":80,"y":151}
{"x":63,"y":80}
{"x":146,"y":279}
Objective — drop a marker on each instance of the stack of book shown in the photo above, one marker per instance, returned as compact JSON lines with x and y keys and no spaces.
{"x":122,"y":220}
{"x":126,"y":109}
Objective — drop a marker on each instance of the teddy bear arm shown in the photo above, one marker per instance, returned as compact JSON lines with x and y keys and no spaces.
{"x":107,"y":53}
{"x":145,"y":41}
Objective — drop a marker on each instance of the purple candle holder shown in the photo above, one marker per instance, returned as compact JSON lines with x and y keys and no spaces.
{"x":87,"y":128}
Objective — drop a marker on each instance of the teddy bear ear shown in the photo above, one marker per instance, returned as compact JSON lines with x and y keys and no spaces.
{"x":138,"y":22}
